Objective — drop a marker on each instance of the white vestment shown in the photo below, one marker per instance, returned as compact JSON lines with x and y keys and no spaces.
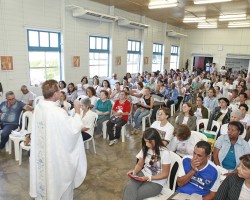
{"x":57,"y":160}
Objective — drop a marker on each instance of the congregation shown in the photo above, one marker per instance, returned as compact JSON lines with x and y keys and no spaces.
{"x":210,"y":133}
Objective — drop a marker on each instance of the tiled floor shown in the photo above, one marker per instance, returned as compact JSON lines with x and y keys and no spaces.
{"x":106,"y":175}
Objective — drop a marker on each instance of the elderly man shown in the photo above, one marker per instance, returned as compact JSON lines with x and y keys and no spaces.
{"x":57,"y":160}
{"x":10,"y":111}
{"x":27,"y":97}
{"x":198,"y":174}
{"x":113,"y":80}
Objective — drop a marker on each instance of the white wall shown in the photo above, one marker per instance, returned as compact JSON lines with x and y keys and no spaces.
{"x":218,"y":43}
{"x":15,"y":16}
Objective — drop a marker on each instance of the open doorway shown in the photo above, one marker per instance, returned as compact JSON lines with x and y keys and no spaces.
{"x":200,"y":63}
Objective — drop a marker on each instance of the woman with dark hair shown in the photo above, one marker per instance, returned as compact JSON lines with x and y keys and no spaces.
{"x":96,"y":86}
{"x":187,"y":116}
{"x":63,"y":86}
{"x":145,"y":104}
{"x":236,"y":186}
{"x":81,"y":88}
{"x":91,"y":94}
{"x":221,"y":113}
{"x":200,"y":111}
{"x":228,"y":148}
{"x":71,"y":93}
{"x":106,"y":86}
{"x":152,"y":168}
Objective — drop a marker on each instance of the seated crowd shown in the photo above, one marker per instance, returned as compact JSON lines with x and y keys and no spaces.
{"x":220,"y":97}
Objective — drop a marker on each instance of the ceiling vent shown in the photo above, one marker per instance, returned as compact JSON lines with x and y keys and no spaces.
{"x":172,"y":33}
{"x":131,"y":24}
{"x":92,"y":15}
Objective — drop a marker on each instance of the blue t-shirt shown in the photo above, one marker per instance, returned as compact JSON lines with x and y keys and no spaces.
{"x":202,"y":181}
{"x":229,"y":161}
{"x":103,"y":107}
{"x":10,"y":115}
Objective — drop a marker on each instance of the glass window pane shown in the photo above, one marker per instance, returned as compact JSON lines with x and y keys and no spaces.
{"x":92,"y":43}
{"x":33,"y":39}
{"x":98,"y":43}
{"x":137,"y":46}
{"x":37,"y":59}
{"x":105,"y":43}
{"x":129,"y":46}
{"x":52,"y":73}
{"x":44,"y":39}
{"x":53,"y":39}
{"x":52,"y":59}
{"x":160,"y":48}
{"x":37,"y":76}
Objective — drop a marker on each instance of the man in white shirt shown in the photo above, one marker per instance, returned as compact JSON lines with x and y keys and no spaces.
{"x":57,"y":161}
{"x":113,"y":80}
{"x":224,"y":86}
{"x":27,"y":97}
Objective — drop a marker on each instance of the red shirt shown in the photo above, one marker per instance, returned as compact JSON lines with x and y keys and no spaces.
{"x":124,"y":107}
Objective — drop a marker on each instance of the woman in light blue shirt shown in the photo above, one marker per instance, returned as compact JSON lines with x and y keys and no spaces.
{"x":229,"y":148}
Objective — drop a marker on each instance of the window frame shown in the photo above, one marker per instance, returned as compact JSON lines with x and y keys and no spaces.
{"x":40,"y":48}
{"x":134,"y":52}
{"x":175,"y":51}
{"x":102,"y":50}
{"x":158,"y":53}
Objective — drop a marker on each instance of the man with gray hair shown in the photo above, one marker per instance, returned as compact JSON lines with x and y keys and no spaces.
{"x":10,"y":111}
{"x":27,"y":97}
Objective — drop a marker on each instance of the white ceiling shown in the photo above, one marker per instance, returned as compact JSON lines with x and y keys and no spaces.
{"x":174,"y":16}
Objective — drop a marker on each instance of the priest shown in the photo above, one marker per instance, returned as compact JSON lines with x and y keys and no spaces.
{"x":57,"y":161}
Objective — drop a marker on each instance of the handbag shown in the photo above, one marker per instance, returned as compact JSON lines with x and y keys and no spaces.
{"x":27,"y":140}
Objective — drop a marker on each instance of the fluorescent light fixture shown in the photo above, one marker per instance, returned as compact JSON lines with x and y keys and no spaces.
{"x":194,"y":19}
{"x":163,"y":4}
{"x":207,"y":25}
{"x":209,"y":1}
{"x":232,"y":17}
{"x":241,"y":24}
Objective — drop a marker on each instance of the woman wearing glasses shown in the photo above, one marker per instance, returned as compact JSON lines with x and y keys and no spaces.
{"x":152,"y":168}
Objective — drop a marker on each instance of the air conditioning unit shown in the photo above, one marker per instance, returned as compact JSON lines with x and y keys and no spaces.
{"x":238,"y":56}
{"x":92,"y":15}
{"x":131,"y":24}
{"x":172,"y":33}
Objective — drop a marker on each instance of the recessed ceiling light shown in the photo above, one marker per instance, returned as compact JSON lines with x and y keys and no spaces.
{"x":232,"y":17}
{"x":163,"y":4}
{"x":209,"y":1}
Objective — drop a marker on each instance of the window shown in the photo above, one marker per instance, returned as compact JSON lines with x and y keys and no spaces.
{"x":134,"y":54}
{"x":44,"y":56}
{"x":98,"y":56}
{"x":174,"y":59}
{"x":157,"y":57}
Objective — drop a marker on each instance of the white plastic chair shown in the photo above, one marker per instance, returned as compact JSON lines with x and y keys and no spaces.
{"x":104,"y":131}
{"x":172,"y":108}
{"x":26,"y":122}
{"x":169,"y":188}
{"x":144,"y":120}
{"x":199,"y":135}
{"x":22,"y":147}
{"x":202,"y":121}
{"x":92,"y":138}
{"x":79,"y":98}
{"x":217,"y":125}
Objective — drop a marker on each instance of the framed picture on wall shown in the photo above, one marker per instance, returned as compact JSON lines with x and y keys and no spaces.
{"x":145,"y":60}
{"x":6,"y":63}
{"x":76,"y":61}
{"x":118,"y":60}
{"x":165,"y":60}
